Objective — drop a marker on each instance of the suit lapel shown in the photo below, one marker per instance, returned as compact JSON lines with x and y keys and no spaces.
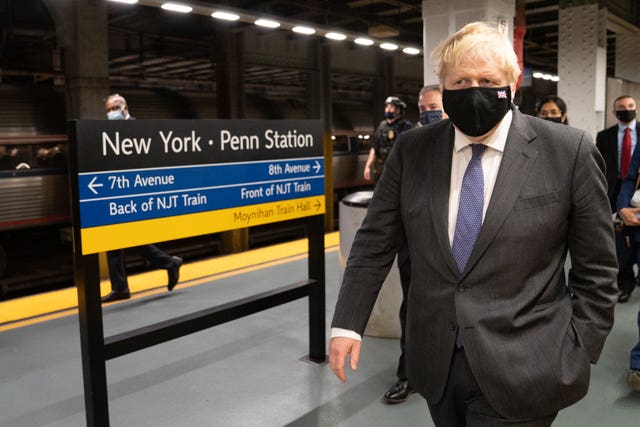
{"x":440,"y":181}
{"x":516,"y":163}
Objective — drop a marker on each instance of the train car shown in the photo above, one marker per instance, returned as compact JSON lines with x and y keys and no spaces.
{"x":34,"y":183}
{"x":350,"y":153}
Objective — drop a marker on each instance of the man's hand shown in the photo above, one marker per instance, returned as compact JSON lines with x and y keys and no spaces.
{"x":339,"y":347}
{"x":629,"y":217}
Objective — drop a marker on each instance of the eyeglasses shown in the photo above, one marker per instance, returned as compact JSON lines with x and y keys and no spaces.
{"x":550,"y":113}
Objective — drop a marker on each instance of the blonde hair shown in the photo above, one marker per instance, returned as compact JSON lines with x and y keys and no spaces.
{"x":477,"y":42}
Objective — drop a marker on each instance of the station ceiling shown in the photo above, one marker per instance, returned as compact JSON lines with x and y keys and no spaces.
{"x":178,"y":48}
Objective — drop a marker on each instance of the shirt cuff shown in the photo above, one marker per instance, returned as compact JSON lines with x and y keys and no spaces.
{"x":345,"y":333}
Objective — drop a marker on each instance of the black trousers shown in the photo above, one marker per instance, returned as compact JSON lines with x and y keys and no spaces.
{"x":405,"y":280}
{"x":118,"y":272}
{"x":627,"y":252}
{"x":463,"y":404}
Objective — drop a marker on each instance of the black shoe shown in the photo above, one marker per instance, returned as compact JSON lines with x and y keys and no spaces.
{"x":174,"y":272}
{"x":624,"y":296}
{"x":116,"y":296}
{"x":399,"y":392}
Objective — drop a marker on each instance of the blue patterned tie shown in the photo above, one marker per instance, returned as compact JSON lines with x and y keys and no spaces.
{"x":470,"y":209}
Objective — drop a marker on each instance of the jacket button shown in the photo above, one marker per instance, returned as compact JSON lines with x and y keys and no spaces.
{"x":461,"y":289}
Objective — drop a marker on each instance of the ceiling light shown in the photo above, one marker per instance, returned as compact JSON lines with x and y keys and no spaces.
{"x":301,"y":29}
{"x":362,"y":41}
{"x":555,"y":78}
{"x":546,"y":77}
{"x":226,"y":16}
{"x":175,"y":7}
{"x":268,"y":23}
{"x":125,"y":1}
{"x":537,"y":75}
{"x":335,"y":36}
{"x":411,"y":50}
{"x":389,"y":46}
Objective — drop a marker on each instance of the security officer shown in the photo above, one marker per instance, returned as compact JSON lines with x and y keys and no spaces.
{"x":385,"y":136}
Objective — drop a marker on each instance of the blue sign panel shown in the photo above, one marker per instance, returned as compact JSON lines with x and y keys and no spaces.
{"x":114,"y":197}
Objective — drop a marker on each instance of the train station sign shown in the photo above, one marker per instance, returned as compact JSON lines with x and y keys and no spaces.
{"x":145,"y":181}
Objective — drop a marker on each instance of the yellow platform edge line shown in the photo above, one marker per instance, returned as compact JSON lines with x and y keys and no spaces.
{"x":65,"y":301}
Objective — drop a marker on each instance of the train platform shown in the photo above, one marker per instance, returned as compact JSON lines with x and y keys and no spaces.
{"x":246,"y":372}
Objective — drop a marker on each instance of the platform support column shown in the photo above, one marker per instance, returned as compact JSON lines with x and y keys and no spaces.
{"x":441,"y":18}
{"x":230,"y":103}
{"x":582,"y":62}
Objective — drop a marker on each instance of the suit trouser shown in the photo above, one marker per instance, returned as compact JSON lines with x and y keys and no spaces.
{"x":626,"y":251}
{"x":463,"y":404}
{"x":405,"y":280}
{"x":118,"y":272}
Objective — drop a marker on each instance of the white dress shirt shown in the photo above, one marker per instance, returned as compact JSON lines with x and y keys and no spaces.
{"x":461,"y":156}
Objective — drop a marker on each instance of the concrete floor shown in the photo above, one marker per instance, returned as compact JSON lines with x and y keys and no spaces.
{"x":247,"y":372}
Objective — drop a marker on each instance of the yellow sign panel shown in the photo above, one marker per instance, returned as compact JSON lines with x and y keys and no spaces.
{"x":116,"y":236}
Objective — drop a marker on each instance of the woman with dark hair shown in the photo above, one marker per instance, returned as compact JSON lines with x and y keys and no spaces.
{"x":552,"y":108}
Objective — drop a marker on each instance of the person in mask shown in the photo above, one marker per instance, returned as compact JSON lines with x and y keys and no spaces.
{"x":552,"y":108}
{"x":116,"y":108}
{"x":618,"y":146}
{"x":625,"y":109}
{"x":497,"y":333}
{"x":430,"y":105}
{"x":385,"y":136}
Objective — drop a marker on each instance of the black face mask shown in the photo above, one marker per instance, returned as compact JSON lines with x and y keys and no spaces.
{"x":625,"y":116}
{"x":476,"y":110}
{"x":554,"y":119}
{"x":430,"y":116}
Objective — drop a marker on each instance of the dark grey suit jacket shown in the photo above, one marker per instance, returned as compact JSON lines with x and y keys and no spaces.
{"x":528,"y":335}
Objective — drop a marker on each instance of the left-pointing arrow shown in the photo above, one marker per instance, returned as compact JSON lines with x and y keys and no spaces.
{"x":93,"y":184}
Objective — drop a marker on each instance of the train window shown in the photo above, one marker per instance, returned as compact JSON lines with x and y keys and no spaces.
{"x":50,"y":156}
{"x":364,"y":143}
{"x":33,"y":152}
{"x":15,"y":157}
{"x":352,"y":142}
{"x":340,"y":143}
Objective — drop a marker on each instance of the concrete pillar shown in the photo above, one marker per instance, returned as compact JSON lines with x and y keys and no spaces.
{"x":82,"y":30}
{"x":441,"y":18}
{"x":582,"y":62}
{"x":230,"y":101}
{"x":83,"y":37}
{"x":627,"y":58}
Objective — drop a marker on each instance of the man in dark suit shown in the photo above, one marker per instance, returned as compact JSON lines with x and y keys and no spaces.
{"x":617,"y":156}
{"x":626,"y":110}
{"x":490,"y":202}
{"x":116,"y":108}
